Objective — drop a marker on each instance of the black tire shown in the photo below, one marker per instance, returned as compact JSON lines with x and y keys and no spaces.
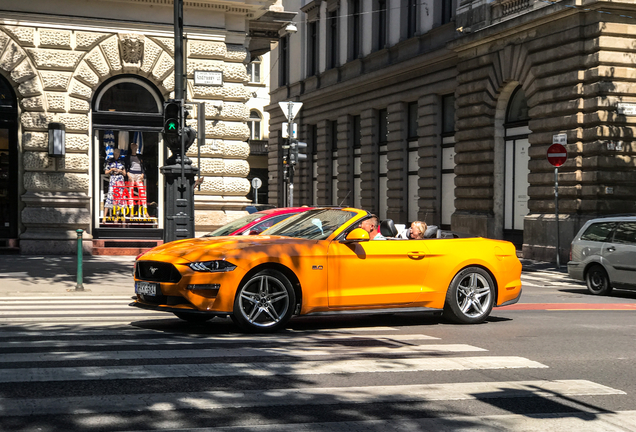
{"x":598,"y":282}
{"x":470,"y":296}
{"x":265,"y":302}
{"x":194,"y":318}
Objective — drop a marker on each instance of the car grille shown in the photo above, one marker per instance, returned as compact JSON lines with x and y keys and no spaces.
{"x":156,"y":271}
{"x":164,"y":300}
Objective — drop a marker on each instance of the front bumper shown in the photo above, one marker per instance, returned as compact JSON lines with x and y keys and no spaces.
{"x":172,"y":309}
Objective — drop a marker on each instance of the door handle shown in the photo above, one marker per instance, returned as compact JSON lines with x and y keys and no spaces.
{"x":416,"y":255}
{"x":611,"y":249}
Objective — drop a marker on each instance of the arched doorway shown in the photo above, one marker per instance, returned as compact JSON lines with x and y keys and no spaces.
{"x":516,"y":167}
{"x":127,"y":121}
{"x":8,"y":162}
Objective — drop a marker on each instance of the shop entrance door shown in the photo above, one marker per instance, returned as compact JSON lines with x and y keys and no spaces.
{"x":8,"y":162}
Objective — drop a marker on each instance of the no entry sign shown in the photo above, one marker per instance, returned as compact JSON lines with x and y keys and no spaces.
{"x":557,"y":155}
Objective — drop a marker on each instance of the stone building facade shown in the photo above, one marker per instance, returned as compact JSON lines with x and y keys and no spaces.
{"x":448,"y":117}
{"x":104,"y":77}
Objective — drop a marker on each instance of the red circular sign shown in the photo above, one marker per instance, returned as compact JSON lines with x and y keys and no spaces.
{"x":557,"y":155}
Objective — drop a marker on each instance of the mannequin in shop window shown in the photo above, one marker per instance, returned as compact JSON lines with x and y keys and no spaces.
{"x":114,"y":199}
{"x":135,"y":172}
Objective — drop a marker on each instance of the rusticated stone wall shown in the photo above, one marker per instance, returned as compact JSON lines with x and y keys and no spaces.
{"x":56,"y":73}
{"x":397,"y":162}
{"x":223,"y":157}
{"x":575,"y":72}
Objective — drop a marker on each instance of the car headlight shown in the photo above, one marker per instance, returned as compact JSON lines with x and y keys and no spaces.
{"x":212,"y":266}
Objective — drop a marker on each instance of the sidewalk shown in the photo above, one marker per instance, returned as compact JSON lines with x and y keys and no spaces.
{"x":28,"y":275}
{"x":534,"y":266}
{"x":54,"y":275}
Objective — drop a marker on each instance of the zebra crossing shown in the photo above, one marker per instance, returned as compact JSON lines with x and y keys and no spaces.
{"x":550,"y":278}
{"x":65,"y":366}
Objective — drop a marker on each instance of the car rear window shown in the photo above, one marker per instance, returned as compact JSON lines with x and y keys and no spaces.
{"x":598,"y":231}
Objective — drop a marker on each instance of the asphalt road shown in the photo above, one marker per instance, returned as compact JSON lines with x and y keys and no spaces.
{"x":560,"y":360}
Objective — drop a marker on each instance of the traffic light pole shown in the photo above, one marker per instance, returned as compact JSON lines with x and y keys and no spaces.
{"x":179,"y":173}
{"x":178,"y":50}
{"x":292,"y":167}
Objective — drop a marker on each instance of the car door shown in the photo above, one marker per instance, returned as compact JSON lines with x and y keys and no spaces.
{"x":620,"y":253}
{"x":373,"y":273}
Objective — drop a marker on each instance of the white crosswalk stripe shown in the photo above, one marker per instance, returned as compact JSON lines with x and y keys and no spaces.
{"x":549,"y":278}
{"x":108,"y":367}
{"x":313,"y":396}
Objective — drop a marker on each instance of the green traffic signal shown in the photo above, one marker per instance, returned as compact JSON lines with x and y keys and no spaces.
{"x":171,"y":126}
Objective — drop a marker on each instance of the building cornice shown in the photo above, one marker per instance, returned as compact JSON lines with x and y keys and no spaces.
{"x":239,"y":7}
{"x":108,"y":25}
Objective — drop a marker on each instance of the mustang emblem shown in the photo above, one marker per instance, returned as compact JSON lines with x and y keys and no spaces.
{"x":153,"y":270}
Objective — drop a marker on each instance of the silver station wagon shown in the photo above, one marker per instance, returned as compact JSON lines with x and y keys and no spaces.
{"x":603,"y":254}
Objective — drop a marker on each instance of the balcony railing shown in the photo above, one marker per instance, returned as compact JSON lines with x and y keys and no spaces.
{"x":258,"y":147}
{"x":504,"y":8}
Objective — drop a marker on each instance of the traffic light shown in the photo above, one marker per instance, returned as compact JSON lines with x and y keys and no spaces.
{"x":171,"y":117}
{"x":297,"y":151}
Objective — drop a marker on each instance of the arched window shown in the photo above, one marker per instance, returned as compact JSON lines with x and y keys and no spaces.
{"x":128,"y":95}
{"x":7,"y":96}
{"x":254,"y":70}
{"x":518,"y":107}
{"x":255,"y":125}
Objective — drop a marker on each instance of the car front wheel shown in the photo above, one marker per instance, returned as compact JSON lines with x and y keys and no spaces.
{"x":265,"y":302}
{"x":598,"y":282}
{"x":470,"y":296}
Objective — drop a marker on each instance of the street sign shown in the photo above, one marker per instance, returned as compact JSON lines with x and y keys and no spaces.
{"x":290,"y":109}
{"x":256,"y":184}
{"x":285,"y":131}
{"x":211,"y":78}
{"x":557,"y":155}
{"x":560,"y":139}
{"x":626,"y":109}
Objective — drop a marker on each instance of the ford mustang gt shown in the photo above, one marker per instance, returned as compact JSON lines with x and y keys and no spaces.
{"x":321,"y":262}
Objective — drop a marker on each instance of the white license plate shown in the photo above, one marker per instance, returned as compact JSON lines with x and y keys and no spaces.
{"x":146,"y":288}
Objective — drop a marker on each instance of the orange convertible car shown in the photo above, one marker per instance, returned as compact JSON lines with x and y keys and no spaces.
{"x":320,"y":262}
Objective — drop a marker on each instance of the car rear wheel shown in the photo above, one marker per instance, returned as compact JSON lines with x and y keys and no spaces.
{"x":598,"y":282}
{"x":265,"y":302}
{"x":470,"y":296}
{"x":193,"y":317}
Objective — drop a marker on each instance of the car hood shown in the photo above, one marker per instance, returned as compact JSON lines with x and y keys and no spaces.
{"x":197,"y":249}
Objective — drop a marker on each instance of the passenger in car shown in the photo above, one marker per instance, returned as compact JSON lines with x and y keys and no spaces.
{"x":415,"y":232}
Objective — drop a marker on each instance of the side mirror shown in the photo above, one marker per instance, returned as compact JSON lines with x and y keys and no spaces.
{"x":356,"y":236}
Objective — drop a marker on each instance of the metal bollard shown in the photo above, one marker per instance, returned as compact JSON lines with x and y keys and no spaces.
{"x":80,"y":253}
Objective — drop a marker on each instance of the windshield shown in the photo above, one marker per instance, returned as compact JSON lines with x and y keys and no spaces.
{"x":311,"y":225}
{"x":234,"y":225}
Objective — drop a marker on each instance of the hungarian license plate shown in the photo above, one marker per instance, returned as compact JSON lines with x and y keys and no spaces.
{"x":146,"y":288}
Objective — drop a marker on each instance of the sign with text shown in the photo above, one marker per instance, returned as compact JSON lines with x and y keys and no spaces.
{"x":560,"y":139}
{"x":210,"y":78}
{"x":625,"y":108}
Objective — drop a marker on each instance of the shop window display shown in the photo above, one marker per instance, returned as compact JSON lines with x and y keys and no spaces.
{"x":128,"y":187}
